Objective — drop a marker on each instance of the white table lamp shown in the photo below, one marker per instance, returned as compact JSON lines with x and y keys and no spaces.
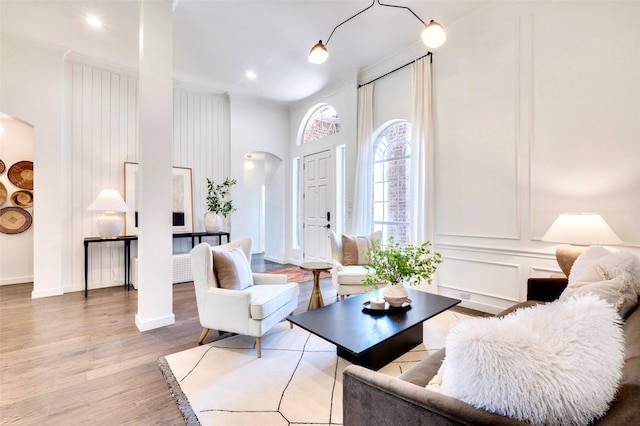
{"x":580,"y":230}
{"x":110,"y":203}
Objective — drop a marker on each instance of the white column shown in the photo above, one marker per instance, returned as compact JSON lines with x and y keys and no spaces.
{"x":155,"y":129}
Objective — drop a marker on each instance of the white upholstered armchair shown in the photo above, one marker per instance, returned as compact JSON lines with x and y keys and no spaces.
{"x":348,"y":267}
{"x":250,"y":304}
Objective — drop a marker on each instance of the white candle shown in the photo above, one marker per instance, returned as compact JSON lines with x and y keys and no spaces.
{"x":377,"y":303}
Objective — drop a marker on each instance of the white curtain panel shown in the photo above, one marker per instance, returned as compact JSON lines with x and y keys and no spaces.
{"x":421,"y":176}
{"x":363,"y":191}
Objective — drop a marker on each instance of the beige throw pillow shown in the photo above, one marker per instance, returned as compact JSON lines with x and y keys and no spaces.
{"x":619,"y":290}
{"x":232,"y":268}
{"x":352,"y":248}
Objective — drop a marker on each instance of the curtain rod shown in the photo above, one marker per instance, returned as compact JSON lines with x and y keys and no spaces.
{"x":397,"y":69}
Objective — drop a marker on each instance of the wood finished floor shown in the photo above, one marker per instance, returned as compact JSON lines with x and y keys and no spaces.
{"x":67,"y":360}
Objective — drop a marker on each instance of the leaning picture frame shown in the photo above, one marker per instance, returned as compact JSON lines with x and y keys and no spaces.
{"x":182,"y":196}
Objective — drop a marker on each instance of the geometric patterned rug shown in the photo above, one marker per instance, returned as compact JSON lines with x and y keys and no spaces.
{"x":297,"y":381}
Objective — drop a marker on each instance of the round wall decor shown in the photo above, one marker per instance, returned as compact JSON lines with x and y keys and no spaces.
{"x":21,"y":174}
{"x":22,"y":199}
{"x":2,"y":166}
{"x":3,"y":194}
{"x":14,"y":220}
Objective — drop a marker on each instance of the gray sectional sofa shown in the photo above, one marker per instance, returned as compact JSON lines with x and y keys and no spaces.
{"x":374,"y":399}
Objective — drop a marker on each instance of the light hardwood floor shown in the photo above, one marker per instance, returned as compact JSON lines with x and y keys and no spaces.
{"x":67,"y":360}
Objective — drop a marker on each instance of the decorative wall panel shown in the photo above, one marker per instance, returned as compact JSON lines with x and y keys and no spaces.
{"x":585,"y":148}
{"x":477,"y":100}
{"x":103,"y":107}
{"x":489,"y":278}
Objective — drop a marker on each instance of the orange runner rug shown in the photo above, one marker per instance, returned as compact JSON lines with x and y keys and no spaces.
{"x":297,"y":275}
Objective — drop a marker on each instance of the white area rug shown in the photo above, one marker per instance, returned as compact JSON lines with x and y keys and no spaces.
{"x":298,"y":380}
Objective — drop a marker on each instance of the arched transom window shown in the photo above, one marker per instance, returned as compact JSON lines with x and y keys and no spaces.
{"x":323,"y":121}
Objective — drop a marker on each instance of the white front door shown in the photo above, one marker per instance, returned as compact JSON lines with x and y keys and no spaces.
{"x":318,"y":206}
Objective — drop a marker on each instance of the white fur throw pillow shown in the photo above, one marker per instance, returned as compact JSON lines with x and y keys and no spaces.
{"x":554,"y":364}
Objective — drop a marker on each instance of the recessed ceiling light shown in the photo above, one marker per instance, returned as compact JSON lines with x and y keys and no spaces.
{"x":251,"y":75}
{"x":94,"y":21}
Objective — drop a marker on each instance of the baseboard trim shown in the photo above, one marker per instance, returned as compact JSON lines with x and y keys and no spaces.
{"x":47,"y":293}
{"x":275,"y":259}
{"x":16,"y":280}
{"x":145,"y":325}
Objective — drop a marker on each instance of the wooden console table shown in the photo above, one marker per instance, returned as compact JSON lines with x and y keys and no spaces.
{"x":126,"y":239}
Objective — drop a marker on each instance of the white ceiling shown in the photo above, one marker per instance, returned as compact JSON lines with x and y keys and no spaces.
{"x":216,"y":41}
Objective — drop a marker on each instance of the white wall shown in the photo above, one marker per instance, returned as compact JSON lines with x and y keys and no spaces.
{"x":537,"y":115}
{"x":32,"y":89}
{"x":16,"y":250}
{"x":392,"y":98}
{"x":259,"y":127}
{"x":93,"y":108}
{"x":200,"y":142}
{"x":104,"y":120}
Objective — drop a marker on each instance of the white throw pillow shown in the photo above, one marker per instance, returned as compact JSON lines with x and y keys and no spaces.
{"x":618,"y":291}
{"x":586,"y":259}
{"x":614,"y":276}
{"x":554,"y":364}
{"x":612,"y":264}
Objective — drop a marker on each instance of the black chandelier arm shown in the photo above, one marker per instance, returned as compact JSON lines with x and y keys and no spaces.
{"x":401,"y":7}
{"x":347,"y":20}
{"x":367,"y":8}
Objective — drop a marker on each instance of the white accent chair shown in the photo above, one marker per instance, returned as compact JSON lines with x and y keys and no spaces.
{"x":347,"y":280}
{"x":251,"y":311}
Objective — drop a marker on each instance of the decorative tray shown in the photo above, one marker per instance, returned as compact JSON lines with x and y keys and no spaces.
{"x":388,"y":310}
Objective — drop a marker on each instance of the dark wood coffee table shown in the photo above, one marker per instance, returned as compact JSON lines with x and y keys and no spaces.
{"x":368,"y":340}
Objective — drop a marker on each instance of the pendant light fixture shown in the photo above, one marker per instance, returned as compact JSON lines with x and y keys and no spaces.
{"x":433,"y":35}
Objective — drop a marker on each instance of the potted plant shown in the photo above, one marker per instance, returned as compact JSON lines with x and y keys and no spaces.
{"x":397,"y":265}
{"x":219,"y":205}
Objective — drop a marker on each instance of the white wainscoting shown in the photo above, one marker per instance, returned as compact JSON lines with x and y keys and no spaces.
{"x":103,"y":121}
{"x":490,"y":279}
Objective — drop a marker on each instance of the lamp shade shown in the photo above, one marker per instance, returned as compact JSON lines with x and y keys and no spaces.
{"x":318,"y":53}
{"x":581,"y":229}
{"x":108,"y":200}
{"x":434,"y":35}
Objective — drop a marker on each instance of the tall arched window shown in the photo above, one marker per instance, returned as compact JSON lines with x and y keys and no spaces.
{"x":321,"y":120}
{"x":391,"y":166}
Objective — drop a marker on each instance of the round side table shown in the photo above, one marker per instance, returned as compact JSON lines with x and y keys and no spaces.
{"x":315,"y":301}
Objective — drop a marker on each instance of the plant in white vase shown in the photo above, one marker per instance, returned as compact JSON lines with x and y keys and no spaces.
{"x":397,"y":265}
{"x":219,"y":205}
